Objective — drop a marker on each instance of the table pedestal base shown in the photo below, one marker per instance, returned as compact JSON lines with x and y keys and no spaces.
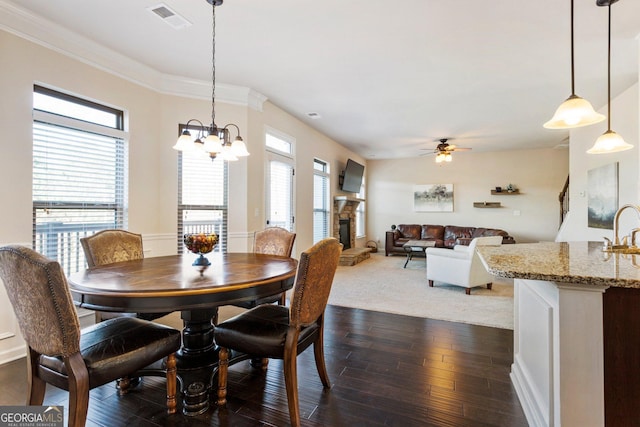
{"x":197,"y":360}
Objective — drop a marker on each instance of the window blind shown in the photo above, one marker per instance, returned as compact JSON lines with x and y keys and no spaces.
{"x":281,"y":195}
{"x":202,"y":197}
{"x":78,"y":188}
{"x":321,"y":210}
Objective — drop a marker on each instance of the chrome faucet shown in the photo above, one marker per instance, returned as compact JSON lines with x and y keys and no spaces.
{"x":617,"y":244}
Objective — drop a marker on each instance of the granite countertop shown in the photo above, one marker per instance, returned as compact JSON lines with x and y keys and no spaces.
{"x":571,"y":262}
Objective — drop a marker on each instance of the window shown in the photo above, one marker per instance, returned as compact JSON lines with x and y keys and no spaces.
{"x":79,"y":174}
{"x":202,"y":195}
{"x":360,"y":212}
{"x":321,"y":209}
{"x":278,"y":143}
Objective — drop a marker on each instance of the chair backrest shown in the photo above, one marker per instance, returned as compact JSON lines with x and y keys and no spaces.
{"x":109,"y":246}
{"x":39,"y":294}
{"x":485,"y":241}
{"x":273,"y":241}
{"x":313,"y":281}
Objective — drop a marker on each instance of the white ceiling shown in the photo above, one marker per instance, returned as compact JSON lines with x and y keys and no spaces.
{"x":388,"y":78}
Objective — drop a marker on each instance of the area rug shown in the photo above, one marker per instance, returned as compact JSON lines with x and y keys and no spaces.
{"x":381,"y":284}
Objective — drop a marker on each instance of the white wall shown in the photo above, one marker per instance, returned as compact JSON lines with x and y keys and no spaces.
{"x":625,"y":112}
{"x":539,"y":174}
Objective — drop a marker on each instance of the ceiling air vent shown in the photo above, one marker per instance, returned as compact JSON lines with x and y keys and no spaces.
{"x":169,"y":16}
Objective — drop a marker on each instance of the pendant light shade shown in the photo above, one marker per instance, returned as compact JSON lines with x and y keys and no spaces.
{"x":572,"y":113}
{"x":610,"y":141}
{"x":575,"y":111}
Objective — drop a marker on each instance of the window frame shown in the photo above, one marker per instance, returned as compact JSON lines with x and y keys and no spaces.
{"x":62,"y":242}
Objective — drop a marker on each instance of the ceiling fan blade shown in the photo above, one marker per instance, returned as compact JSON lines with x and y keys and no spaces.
{"x":462,"y":149}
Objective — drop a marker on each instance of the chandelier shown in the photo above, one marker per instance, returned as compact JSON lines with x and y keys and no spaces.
{"x":212,"y":139}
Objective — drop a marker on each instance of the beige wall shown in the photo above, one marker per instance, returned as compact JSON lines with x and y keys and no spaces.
{"x":539,"y":174}
{"x":153,"y":120}
{"x":152,"y":123}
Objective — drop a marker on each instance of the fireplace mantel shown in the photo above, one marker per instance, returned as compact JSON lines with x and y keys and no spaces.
{"x":342,"y":201}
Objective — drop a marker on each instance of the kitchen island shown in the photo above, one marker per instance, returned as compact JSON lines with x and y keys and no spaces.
{"x":576,"y":331}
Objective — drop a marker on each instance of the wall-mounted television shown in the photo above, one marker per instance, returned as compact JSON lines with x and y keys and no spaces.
{"x":352,"y":178}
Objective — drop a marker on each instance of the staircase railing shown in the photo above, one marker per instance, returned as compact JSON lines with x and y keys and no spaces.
{"x":564,"y":200}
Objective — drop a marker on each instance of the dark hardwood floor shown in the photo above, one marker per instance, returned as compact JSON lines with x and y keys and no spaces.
{"x":386,"y":370}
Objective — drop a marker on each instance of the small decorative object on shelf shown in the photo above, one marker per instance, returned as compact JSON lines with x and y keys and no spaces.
{"x":201,"y":243}
{"x":486,"y":204}
{"x":505,"y":191}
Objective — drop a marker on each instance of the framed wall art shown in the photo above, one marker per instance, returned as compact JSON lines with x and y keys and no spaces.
{"x":602,"y":202}
{"x":433,"y":198}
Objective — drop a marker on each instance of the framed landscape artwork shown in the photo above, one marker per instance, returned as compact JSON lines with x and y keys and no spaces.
{"x":602,"y":202}
{"x":433,"y":198}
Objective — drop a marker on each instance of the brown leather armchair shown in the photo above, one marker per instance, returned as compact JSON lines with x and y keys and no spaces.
{"x":279,"y":332}
{"x":62,"y":355}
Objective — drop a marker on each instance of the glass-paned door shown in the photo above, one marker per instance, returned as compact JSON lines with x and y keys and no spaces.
{"x":279,"y":200}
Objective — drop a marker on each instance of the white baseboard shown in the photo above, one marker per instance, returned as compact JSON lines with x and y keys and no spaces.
{"x":530,"y":405}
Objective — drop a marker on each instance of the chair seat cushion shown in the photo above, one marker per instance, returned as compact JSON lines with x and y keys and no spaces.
{"x":113,"y":349}
{"x":261,"y":331}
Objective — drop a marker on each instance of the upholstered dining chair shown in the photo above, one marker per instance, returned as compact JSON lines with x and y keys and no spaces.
{"x":280,"y":332}
{"x":271,"y":241}
{"x":109,"y":246}
{"x":460,"y":266}
{"x":61,"y":354}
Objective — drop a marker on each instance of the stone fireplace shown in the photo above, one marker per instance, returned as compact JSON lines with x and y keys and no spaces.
{"x":344,"y":229}
{"x":344,"y":209}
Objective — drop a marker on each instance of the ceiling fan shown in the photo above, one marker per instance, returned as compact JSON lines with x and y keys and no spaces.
{"x":443,"y":150}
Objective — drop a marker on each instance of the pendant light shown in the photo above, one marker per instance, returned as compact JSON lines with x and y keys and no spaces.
{"x":610,"y":141}
{"x":214,"y":140}
{"x":574,"y":111}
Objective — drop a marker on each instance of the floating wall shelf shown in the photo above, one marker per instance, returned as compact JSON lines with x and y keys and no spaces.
{"x":504,"y":193}
{"x":486,"y":204}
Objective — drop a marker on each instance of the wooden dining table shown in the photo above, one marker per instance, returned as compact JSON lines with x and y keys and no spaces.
{"x":172,"y":283}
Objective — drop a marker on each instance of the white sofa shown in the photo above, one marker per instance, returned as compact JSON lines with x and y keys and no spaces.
{"x":461,"y":266}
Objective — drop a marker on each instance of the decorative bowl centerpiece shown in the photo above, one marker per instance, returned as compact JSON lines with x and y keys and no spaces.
{"x":201,"y":243}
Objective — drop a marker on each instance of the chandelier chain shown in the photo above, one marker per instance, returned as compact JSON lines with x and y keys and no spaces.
{"x":213,"y":66}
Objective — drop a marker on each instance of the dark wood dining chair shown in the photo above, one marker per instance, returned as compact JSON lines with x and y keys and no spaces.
{"x":279,"y":332}
{"x":63,"y":355}
{"x":271,"y":241}
{"x":110,"y":246}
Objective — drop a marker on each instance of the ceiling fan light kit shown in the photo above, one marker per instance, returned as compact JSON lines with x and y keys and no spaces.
{"x":444,"y":149}
{"x":610,"y":141}
{"x":574,"y":111}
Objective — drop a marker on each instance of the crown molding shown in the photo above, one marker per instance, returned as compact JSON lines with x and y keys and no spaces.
{"x":26,"y":25}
